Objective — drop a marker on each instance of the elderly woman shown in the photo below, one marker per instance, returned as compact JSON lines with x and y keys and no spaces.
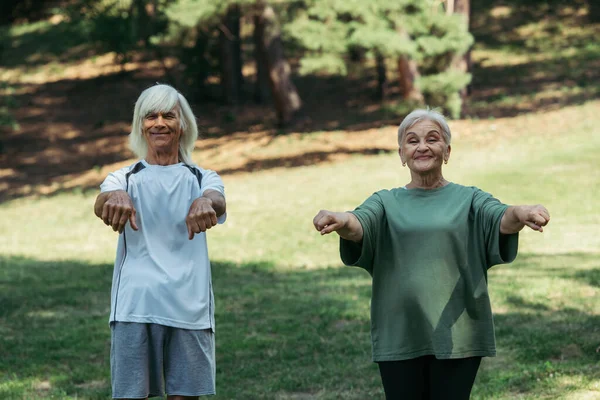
{"x":162,"y":307}
{"x":428,"y":246}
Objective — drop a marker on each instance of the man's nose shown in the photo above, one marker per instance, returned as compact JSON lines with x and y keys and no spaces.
{"x":160,"y":120}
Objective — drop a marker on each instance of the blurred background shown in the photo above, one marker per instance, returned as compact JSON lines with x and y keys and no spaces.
{"x":298,"y":103}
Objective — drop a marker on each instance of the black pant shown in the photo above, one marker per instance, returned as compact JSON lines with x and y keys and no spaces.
{"x":427,"y":378}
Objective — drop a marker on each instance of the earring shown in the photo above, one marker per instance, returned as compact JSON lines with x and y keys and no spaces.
{"x":445,"y":161}
{"x":404,"y":164}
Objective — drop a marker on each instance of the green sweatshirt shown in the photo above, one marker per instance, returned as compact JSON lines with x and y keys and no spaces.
{"x":428,"y":252}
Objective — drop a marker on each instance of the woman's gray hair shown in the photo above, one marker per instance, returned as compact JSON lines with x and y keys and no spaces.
{"x":421,"y":115}
{"x":162,"y":99}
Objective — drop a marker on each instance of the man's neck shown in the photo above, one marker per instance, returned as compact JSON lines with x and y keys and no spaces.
{"x":159,"y":158}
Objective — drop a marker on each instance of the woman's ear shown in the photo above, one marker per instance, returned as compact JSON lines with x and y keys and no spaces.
{"x":401,"y":155}
{"x":447,"y":155}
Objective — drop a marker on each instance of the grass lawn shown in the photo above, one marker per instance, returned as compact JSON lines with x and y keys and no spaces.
{"x":291,"y":322}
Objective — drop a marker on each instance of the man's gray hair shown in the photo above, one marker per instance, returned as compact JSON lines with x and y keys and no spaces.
{"x":162,"y":99}
{"x":424,"y":115}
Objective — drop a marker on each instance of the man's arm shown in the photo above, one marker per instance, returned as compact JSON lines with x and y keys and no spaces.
{"x":100,"y":200}
{"x":204,"y":212}
{"x":218,"y":202}
{"x":115,"y":208}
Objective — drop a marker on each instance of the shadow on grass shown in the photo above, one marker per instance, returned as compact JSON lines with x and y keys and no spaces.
{"x":565,"y":69}
{"x":280,"y":334}
{"x":62,"y":42}
{"x":72,"y":127}
{"x":56,"y":340}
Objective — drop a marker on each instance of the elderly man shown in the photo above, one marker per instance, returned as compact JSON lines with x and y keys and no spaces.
{"x":162,"y":305}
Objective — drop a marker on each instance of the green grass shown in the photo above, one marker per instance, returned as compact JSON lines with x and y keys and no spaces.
{"x":291,"y":322}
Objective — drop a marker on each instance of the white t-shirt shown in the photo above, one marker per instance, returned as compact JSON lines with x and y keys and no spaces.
{"x":161,"y":276}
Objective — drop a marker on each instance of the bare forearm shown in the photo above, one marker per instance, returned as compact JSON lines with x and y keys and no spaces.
{"x":218,"y":201}
{"x":517,"y":217}
{"x":353,"y":230}
{"x":511,"y":222}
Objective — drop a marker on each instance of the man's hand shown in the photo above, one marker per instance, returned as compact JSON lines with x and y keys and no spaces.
{"x":117,"y":210}
{"x":535,"y":217}
{"x":201,"y":217}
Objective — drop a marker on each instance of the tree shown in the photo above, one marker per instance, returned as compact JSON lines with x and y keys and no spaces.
{"x":408,"y":74}
{"x":231,"y":57}
{"x":593,"y":11}
{"x":420,"y":39}
{"x":462,"y":62}
{"x":261,"y":89}
{"x":381,"y":75}
{"x":270,"y":52}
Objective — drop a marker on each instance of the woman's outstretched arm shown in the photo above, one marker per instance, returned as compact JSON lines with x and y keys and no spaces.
{"x":344,"y":223}
{"x":516,"y":218}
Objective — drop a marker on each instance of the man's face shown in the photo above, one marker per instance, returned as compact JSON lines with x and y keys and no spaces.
{"x":162,"y":131}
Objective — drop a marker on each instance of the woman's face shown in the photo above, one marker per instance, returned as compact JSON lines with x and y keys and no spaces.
{"x":162,"y":131}
{"x":423,"y":147}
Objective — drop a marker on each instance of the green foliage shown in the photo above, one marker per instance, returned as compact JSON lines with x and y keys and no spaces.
{"x":189,"y":13}
{"x":7,"y":102}
{"x":443,"y":89}
{"x":330,"y":29}
{"x":119,"y":26}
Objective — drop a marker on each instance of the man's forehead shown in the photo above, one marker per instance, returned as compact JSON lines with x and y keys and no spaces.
{"x":174,"y":110}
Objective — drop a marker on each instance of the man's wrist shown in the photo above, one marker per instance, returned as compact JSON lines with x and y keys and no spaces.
{"x":208,"y":199}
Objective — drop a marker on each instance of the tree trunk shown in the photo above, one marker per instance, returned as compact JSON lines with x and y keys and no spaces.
{"x":285,"y":96}
{"x":593,"y":11}
{"x":408,"y":73}
{"x":231,"y":59}
{"x":463,"y":62}
{"x":381,"y":76}
{"x":261,"y":88}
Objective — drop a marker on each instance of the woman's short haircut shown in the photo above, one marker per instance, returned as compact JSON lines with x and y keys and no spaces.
{"x":162,"y":99}
{"x":424,"y":115}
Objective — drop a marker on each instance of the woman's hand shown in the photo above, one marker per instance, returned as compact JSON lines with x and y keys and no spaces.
{"x":344,"y":223}
{"x":535,"y":217}
{"x":117,"y":210}
{"x":327,"y":221}
{"x":201,"y":217}
{"x":516,"y":217}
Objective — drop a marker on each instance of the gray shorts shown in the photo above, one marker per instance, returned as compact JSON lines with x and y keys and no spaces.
{"x":144,"y":358}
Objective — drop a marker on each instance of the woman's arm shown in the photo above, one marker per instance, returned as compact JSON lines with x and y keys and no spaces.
{"x":344,"y":223}
{"x":516,"y":218}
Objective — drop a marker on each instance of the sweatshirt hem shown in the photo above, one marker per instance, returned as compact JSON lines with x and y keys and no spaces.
{"x":430,"y":352}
